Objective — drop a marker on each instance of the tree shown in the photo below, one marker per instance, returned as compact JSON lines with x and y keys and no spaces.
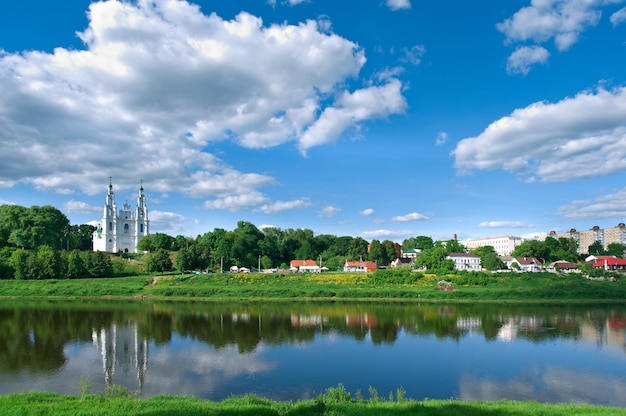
{"x":596,"y":249}
{"x":161,"y":240}
{"x":489,"y":258}
{"x":159,"y":261}
{"x":357,"y":249}
{"x":375,"y":252}
{"x":33,"y":227}
{"x":390,"y":253}
{"x":616,"y":249}
{"x":75,"y":266}
{"x":421,"y":242}
{"x":435,"y":259}
{"x":532,"y":248}
{"x":97,"y":263}
{"x":184,"y":259}
{"x":453,"y":246}
{"x":49,"y":262}
{"x":145,"y":244}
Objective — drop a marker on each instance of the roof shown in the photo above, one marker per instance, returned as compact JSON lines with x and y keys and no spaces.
{"x":300,"y":263}
{"x":610,"y":261}
{"x":523,"y":261}
{"x":562,"y":264}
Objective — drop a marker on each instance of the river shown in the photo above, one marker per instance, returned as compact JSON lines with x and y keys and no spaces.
{"x":292,"y":351}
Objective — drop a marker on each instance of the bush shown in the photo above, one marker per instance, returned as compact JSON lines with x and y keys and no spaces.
{"x":395,"y":276}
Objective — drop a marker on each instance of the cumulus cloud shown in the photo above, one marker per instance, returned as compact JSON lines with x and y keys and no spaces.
{"x":279,"y":206}
{"x":158,"y":81}
{"x":78,"y":207}
{"x":399,"y":4}
{"x":3,"y":202}
{"x":504,"y":224}
{"x":367,"y":212}
{"x":618,"y":17}
{"x":578,"y":137}
{"x":329,"y":211}
{"x":559,"y":20}
{"x":414,"y":216}
{"x":611,"y":206}
{"x":520,"y":61}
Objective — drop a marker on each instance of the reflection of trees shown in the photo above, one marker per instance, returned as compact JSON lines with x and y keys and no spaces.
{"x":33,"y":335}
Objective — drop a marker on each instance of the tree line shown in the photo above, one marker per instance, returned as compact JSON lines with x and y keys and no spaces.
{"x":39,"y":242}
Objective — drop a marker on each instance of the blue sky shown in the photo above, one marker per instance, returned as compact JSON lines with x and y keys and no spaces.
{"x":380,"y":119}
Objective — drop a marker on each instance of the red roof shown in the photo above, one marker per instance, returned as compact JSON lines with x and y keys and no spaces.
{"x":610,"y":261}
{"x":300,"y":263}
{"x":368,"y":264}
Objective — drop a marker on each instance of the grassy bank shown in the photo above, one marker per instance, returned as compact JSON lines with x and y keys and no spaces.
{"x":541,"y":287}
{"x":333,"y":402}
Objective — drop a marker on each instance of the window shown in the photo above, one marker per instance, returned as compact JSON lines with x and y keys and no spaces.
{"x":126,"y":229}
{"x":141,"y":228}
{"x":110,"y":226}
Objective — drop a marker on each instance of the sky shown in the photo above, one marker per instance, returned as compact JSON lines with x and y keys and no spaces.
{"x":380,"y":119}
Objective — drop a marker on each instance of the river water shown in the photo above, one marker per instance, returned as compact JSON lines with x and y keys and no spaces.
{"x":292,"y":351}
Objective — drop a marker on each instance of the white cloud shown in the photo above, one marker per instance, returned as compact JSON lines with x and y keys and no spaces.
{"x":79,"y":207}
{"x":504,"y":224}
{"x":329,"y":211}
{"x":578,"y":137}
{"x":560,"y":20}
{"x":520,"y":61}
{"x":414,"y":216}
{"x":279,"y":206}
{"x":166,"y":222}
{"x":442,"y":138}
{"x":160,"y":80}
{"x":413,"y":55}
{"x":351,"y":109}
{"x":392,"y":235}
{"x":3,"y":202}
{"x":237,"y":202}
{"x":611,"y":206}
{"x":367,"y":212}
{"x":618,"y":17}
{"x":399,"y":4}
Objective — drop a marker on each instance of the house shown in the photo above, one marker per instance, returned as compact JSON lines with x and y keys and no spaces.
{"x":359,"y":266}
{"x":412,"y":253}
{"x":303,"y":266}
{"x":563,"y":266}
{"x":402,"y":262}
{"x":610,"y":263}
{"x":465,"y":261}
{"x":525,"y":264}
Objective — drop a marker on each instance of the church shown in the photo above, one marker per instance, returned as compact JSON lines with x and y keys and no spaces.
{"x":121,"y":231}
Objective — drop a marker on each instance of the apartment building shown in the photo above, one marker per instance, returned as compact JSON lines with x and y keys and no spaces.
{"x":503,"y":245}
{"x":586,"y":238}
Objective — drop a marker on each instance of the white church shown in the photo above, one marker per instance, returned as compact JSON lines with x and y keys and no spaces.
{"x":121,"y":231}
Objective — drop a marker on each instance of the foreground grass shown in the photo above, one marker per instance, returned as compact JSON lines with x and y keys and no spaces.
{"x":541,"y":287}
{"x":328,"y":404}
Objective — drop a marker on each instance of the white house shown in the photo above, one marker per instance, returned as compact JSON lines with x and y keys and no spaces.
{"x":465,"y":261}
{"x":121,"y":230}
{"x":503,"y":245}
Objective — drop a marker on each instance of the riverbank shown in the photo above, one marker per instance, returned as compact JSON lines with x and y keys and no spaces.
{"x":334,"y":402}
{"x":463,"y":287}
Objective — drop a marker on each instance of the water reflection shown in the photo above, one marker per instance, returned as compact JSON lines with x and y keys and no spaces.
{"x":292,"y":351}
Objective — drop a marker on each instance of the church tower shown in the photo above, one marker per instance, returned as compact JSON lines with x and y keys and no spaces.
{"x":121,"y":231}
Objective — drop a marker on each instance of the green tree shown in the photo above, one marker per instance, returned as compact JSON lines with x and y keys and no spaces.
{"x":75,"y":266}
{"x":49,"y":261}
{"x":145,"y":244}
{"x":532,"y":248}
{"x":389,"y":253}
{"x":616,"y":249}
{"x":22,"y":262}
{"x":489,"y":258}
{"x":357,"y":249}
{"x":375,"y":252}
{"x":162,"y":240}
{"x":34,"y":227}
{"x":421,"y":242}
{"x":159,"y":261}
{"x":184,"y":259}
{"x":596,"y":249}
{"x":435,"y":259}
{"x":97,"y":263}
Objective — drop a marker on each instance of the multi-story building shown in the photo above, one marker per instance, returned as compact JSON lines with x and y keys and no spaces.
{"x":586,"y":238}
{"x":121,"y":231}
{"x":465,"y":261}
{"x":503,"y":245}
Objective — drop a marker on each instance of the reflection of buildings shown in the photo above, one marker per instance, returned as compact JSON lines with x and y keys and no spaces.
{"x":308,"y":321}
{"x":121,"y":349}
{"x":512,"y":326}
{"x":612,"y":333}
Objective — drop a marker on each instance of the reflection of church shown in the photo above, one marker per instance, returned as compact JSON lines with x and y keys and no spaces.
{"x":122,"y":350}
{"x":121,"y":230}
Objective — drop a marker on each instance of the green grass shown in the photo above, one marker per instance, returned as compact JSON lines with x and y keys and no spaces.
{"x":330,"y":403}
{"x":539,"y":287}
